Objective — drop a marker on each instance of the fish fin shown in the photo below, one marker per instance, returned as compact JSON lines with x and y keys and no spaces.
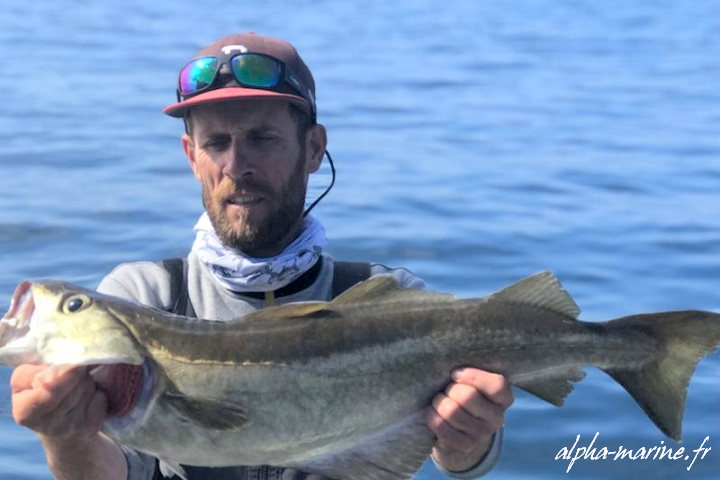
{"x":551,"y":386}
{"x":168,"y":468}
{"x":385,"y":288}
{"x":395,"y":453}
{"x":541,"y":290}
{"x":377,"y":289}
{"x":368,"y":290}
{"x":660,"y":386}
{"x":213,"y":414}
{"x":290,"y":310}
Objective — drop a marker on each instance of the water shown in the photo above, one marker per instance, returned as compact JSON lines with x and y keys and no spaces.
{"x":476,"y":142}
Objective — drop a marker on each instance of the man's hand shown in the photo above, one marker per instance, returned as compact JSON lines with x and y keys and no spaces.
{"x":62,"y":403}
{"x":466,"y":415}
{"x":65,"y":408}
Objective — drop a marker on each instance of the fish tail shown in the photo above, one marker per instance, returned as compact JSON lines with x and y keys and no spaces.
{"x":660,"y":386}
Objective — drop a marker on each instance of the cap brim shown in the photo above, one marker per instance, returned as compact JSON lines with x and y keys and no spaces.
{"x":179,"y":109}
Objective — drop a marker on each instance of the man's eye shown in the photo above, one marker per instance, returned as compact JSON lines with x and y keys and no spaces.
{"x":216,"y":144}
{"x":263,"y":137}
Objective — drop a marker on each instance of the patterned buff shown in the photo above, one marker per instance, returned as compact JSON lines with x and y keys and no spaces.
{"x":241,"y":273}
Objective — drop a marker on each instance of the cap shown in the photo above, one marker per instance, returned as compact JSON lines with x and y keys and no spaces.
{"x":250,"y":42}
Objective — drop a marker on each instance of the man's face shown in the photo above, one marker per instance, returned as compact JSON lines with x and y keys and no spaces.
{"x":254,"y":171}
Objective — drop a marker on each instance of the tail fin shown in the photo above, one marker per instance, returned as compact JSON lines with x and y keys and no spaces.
{"x":660,"y":387}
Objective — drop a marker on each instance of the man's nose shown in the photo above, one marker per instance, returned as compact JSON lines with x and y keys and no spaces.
{"x":239,"y":163}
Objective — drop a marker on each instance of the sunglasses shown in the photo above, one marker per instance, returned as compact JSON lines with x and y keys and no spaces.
{"x":254,"y":70}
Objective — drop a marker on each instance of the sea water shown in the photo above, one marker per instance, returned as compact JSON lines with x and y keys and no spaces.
{"x":476,"y":142}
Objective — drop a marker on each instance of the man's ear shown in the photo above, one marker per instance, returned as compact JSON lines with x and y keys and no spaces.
{"x":315,"y":143}
{"x":189,"y":149}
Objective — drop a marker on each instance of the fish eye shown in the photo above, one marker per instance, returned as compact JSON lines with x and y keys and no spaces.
{"x":76,"y":303}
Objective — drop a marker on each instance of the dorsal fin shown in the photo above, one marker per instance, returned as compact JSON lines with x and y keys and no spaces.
{"x":541,"y":290}
{"x":371,"y":289}
{"x":289,"y":310}
{"x":368,"y":290}
{"x":385,"y":289}
{"x":377,"y":289}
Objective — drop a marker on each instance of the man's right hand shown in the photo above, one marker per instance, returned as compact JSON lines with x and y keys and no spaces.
{"x":66,"y":409}
{"x":62,"y":403}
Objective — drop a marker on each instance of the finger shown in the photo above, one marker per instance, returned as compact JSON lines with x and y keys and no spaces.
{"x":23,"y":376}
{"x":78,"y":397}
{"x":447,"y":436}
{"x":44,"y":397}
{"x":59,"y":376}
{"x":58,"y":384}
{"x":460,"y":419}
{"x":455,"y":415}
{"x":86,"y":416}
{"x":80,"y":413}
{"x":493,"y":386}
{"x":467,"y":398}
{"x":96,"y":411}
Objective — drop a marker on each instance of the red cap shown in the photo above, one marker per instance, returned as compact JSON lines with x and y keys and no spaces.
{"x":254,"y":43}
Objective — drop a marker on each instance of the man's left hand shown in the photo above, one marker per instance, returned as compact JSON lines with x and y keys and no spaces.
{"x":466,"y":415}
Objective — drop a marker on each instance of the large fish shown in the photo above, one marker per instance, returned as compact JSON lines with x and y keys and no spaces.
{"x":338,"y":387}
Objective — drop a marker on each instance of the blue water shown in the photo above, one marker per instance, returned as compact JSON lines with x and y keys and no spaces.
{"x":477,"y":142}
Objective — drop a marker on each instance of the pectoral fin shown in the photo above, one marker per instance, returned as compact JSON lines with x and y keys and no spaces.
{"x":213,"y":414}
{"x":170,"y":469}
{"x":395,"y":453}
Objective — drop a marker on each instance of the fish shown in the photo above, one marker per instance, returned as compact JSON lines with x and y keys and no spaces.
{"x":338,"y":388}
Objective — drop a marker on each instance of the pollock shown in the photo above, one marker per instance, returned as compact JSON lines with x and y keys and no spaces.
{"x":338,"y":388}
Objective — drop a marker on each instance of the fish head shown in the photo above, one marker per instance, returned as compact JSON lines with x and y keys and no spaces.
{"x":61,"y":323}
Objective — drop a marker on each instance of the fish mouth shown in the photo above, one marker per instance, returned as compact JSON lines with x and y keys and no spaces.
{"x":121,"y":383}
{"x":15,"y":323}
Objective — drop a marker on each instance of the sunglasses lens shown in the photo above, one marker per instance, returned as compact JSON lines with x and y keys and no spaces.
{"x":197,"y":75}
{"x":256,"y":70}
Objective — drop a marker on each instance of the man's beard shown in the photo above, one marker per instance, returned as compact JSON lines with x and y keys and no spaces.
{"x":259,"y":237}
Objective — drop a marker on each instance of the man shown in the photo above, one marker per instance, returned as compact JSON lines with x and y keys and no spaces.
{"x":252,"y":140}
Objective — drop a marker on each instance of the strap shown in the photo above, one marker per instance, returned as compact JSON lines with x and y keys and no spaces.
{"x":180,"y":300}
{"x":157,"y":475}
{"x":348,"y":274}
